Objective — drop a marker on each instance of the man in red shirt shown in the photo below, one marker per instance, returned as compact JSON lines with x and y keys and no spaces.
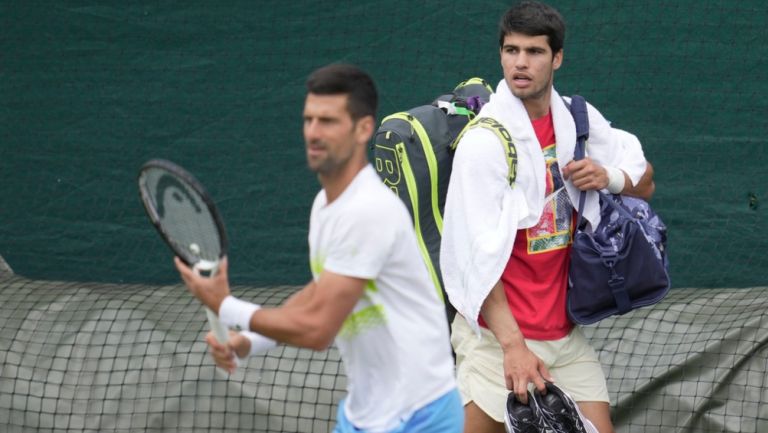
{"x":505,"y":250}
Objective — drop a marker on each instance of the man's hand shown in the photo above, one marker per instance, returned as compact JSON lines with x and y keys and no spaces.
{"x":211,"y":291}
{"x":586,"y":174}
{"x":224,"y":354}
{"x":521,"y":367}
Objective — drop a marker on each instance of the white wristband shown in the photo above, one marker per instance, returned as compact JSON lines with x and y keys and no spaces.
{"x":259,"y":343}
{"x":615,"y":179}
{"x":236,"y":313}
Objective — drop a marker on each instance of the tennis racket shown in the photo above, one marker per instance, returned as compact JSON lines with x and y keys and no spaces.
{"x":187,"y":219}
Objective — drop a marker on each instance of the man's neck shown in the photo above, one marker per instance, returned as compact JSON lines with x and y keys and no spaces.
{"x":335,"y":183}
{"x":537,"y":108}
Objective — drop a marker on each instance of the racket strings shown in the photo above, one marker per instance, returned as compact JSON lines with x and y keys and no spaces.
{"x":183,"y":216}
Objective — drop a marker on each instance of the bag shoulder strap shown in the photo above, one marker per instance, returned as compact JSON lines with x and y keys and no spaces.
{"x":493,"y":125}
{"x":578,"y":108}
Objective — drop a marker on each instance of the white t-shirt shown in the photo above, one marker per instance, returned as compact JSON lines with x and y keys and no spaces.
{"x":394,"y":345}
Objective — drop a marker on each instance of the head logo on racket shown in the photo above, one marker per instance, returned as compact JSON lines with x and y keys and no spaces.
{"x":166,"y":182}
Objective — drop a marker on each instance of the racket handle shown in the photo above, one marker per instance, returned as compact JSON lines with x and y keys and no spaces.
{"x":219,"y":331}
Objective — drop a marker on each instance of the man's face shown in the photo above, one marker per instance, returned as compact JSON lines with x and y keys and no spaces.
{"x":529,"y":65}
{"x":330,"y":134}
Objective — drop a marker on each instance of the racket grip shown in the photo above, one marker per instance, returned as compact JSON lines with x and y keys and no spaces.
{"x":219,"y":331}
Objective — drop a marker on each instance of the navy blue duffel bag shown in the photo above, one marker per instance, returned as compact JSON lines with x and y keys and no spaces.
{"x":622,"y":264}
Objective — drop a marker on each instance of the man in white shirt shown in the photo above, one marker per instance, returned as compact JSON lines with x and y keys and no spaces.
{"x":370,"y":291}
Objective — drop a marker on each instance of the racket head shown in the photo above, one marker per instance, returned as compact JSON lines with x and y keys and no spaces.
{"x":183,"y":213}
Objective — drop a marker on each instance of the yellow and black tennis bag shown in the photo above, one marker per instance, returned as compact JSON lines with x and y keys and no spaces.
{"x":413,"y":154}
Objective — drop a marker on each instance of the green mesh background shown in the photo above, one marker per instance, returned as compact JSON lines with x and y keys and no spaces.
{"x":90,"y":90}
{"x":119,"y":358}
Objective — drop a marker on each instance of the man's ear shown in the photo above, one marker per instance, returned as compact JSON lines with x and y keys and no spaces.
{"x":364,"y":128}
{"x":557,"y":60}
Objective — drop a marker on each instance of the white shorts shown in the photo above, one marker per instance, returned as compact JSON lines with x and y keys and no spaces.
{"x":571,"y":360}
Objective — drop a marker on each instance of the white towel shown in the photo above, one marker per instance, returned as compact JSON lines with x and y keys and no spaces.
{"x":483,"y":213}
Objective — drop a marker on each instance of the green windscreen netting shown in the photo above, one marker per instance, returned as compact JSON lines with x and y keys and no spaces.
{"x":96,"y":334}
{"x":110,"y":358}
{"x":91,"y":90}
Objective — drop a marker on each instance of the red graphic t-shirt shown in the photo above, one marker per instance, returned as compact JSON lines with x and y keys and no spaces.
{"x":536,"y":276}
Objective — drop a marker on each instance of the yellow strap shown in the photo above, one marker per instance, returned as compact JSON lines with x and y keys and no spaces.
{"x":413,"y":192}
{"x":429,"y":154}
{"x":497,"y":128}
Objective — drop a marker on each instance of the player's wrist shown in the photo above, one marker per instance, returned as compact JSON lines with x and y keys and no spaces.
{"x":236,"y":313}
{"x":511,"y":341}
{"x":259,"y":343}
{"x":616,"y":179}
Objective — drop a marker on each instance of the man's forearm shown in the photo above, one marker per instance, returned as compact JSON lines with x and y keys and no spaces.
{"x":645,"y":186}
{"x":502,"y":323}
{"x":312,"y":317}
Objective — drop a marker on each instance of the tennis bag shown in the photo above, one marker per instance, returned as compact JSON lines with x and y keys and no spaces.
{"x":622,"y":264}
{"x":413,"y":155}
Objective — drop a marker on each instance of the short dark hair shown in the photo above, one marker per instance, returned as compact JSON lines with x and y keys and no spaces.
{"x":534,"y":19}
{"x":338,"y":79}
